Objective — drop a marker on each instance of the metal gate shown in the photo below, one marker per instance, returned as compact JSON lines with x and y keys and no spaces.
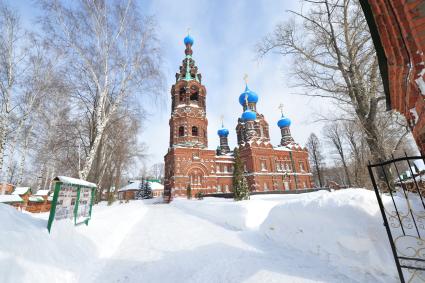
{"x":399,"y":185}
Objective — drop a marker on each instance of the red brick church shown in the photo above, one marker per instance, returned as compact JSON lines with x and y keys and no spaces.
{"x":189,"y":161}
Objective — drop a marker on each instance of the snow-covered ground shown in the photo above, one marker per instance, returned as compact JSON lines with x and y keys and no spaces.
{"x":314,"y":237}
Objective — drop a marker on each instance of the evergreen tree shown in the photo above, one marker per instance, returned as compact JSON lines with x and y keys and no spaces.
{"x":240,"y":184}
{"x":147,"y":190}
{"x":189,"y":191}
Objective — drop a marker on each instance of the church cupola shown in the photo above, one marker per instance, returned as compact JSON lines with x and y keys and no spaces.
{"x":284,"y":123}
{"x":223,"y":133}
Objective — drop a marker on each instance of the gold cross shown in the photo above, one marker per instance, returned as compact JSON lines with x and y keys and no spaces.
{"x":188,"y":31}
{"x":222,"y":120}
{"x":245,"y":78}
{"x":281,"y":108}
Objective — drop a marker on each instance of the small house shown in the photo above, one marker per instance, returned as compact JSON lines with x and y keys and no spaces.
{"x":6,"y":189}
{"x":157,"y":189}
{"x":39,"y":202}
{"x":13,"y":200}
{"x":129,"y":191}
{"x":24,"y":193}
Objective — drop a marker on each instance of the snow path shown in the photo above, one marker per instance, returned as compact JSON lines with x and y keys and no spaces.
{"x":170,"y":245}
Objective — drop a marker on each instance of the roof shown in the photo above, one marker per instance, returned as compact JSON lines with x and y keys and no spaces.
{"x":10,"y":198}
{"x":69,"y":180}
{"x":36,"y":199}
{"x":42,"y":193}
{"x":156,"y":186}
{"x":21,"y":190}
{"x":134,"y":186}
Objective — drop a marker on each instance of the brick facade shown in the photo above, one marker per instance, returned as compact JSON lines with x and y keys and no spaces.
{"x":398,"y":32}
{"x":189,"y":161}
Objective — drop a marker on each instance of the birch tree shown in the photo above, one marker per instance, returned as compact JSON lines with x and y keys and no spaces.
{"x":110,"y":52}
{"x":316,"y":157}
{"x":334,"y":58}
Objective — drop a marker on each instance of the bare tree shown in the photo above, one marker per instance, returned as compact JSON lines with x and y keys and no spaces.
{"x":335,"y":136}
{"x":157,"y":171}
{"x":334,"y":58}
{"x":315,"y":155}
{"x":109,"y":52}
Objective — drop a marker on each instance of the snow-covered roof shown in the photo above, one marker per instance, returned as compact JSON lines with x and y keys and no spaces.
{"x":20,"y":190}
{"x":10,"y":198}
{"x":42,"y":193}
{"x":36,"y":199}
{"x":156,"y":186}
{"x":69,"y":180}
{"x":135,"y":185}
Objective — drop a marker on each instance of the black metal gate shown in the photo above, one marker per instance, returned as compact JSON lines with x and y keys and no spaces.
{"x":399,"y":185}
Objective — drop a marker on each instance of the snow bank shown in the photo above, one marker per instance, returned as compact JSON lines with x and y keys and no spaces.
{"x":240,"y":215}
{"x":344,"y":228}
{"x":28,"y":253}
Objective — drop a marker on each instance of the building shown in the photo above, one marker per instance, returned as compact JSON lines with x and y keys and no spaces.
{"x":190,"y":162}
{"x":24,"y":193}
{"x":40,"y":202}
{"x":129,"y":191}
{"x":398,"y":32}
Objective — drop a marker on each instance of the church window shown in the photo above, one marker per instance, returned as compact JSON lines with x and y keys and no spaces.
{"x":301,"y":167}
{"x":218,"y":169}
{"x":225,"y":168}
{"x":265,"y":187}
{"x":194,"y":96}
{"x":194,"y":131}
{"x":219,"y":188}
{"x":263,"y":166}
{"x":181,"y":131}
{"x":245,"y":169}
{"x":278,"y":166}
{"x":182,"y":95}
{"x":226,"y":189}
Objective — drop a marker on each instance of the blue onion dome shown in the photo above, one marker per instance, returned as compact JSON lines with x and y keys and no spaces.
{"x":284,"y":122}
{"x":252,"y":96}
{"x":188,"y":40}
{"x":223,"y":132}
{"x":249,"y":115}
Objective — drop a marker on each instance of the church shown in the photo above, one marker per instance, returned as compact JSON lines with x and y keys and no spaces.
{"x":189,"y":161}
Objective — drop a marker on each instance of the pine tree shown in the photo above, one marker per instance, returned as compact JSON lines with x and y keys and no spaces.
{"x":240,"y":184}
{"x":189,"y":191}
{"x":147,"y":190}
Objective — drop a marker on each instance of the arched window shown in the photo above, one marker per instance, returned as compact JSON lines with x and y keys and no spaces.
{"x":181,"y":131}
{"x":194,"y":96}
{"x":194,"y":131}
{"x":182,"y":94}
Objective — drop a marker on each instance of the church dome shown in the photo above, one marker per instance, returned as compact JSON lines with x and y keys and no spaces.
{"x":284,"y":122}
{"x":252,"y":96}
{"x":223,"y":132}
{"x":249,"y":115}
{"x":188,"y":40}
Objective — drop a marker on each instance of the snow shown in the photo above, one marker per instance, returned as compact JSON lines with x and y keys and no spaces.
{"x":135,"y":185}
{"x":156,"y":186}
{"x":42,"y":193}
{"x":20,"y":190}
{"x":36,"y":199}
{"x":313,"y":237}
{"x":69,"y":180}
{"x":10,"y":198}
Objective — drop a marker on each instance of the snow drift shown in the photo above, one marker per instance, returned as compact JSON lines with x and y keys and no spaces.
{"x":344,"y":228}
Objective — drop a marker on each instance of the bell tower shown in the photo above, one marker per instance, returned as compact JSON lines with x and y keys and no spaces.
{"x":188,"y":122}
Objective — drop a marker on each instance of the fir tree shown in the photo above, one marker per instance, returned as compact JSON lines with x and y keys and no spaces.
{"x":189,"y":191}
{"x":240,"y":184}
{"x":147,"y":190}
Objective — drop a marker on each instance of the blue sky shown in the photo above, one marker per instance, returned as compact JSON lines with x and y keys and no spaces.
{"x":225,"y":34}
